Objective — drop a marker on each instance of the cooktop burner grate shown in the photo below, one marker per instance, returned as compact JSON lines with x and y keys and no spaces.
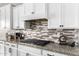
{"x":36,"y":42}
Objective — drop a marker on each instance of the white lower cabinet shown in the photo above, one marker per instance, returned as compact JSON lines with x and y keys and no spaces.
{"x":49,"y":53}
{"x":13,"y":52}
{"x":21,"y":53}
{"x":14,"y":49}
{"x":7,"y":49}
{"x":24,"y":53}
{"x":1,"y":48}
{"x":28,"y":51}
{"x":10,"y":49}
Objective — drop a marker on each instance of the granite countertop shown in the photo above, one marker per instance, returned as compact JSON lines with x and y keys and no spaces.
{"x":53,"y":47}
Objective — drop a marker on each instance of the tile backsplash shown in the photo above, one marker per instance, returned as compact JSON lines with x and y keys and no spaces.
{"x":53,"y":34}
{"x":38,"y":29}
{"x":38,"y":24}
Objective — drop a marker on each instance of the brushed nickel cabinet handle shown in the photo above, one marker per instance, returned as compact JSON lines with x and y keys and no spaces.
{"x":27,"y":54}
{"x":10,"y":50}
{"x":7,"y":44}
{"x":50,"y":55}
{"x":60,"y":25}
{"x":13,"y":45}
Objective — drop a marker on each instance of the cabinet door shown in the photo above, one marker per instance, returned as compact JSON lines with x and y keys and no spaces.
{"x":7,"y":51}
{"x":54,"y":15}
{"x":14,"y":52}
{"x":28,"y":11}
{"x":1,"y":49}
{"x":21,"y":53}
{"x":7,"y":15}
{"x":40,"y":10}
{"x":28,"y":51}
{"x":2,"y":18}
{"x":70,"y":15}
{"x":21,"y":16}
{"x":15,"y":18}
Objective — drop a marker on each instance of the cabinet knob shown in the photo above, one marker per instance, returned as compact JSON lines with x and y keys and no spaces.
{"x":33,"y":12}
{"x":60,"y":25}
{"x":17,"y":26}
{"x":27,"y":54}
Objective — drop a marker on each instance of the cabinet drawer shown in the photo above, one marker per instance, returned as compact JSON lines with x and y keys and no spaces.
{"x":13,"y":45}
{"x":7,"y":44}
{"x":49,"y":53}
{"x":1,"y":42}
{"x":30,"y":49}
{"x":21,"y":47}
{"x":34,"y":50}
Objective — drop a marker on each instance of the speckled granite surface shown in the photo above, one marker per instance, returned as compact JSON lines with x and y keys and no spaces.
{"x":71,"y":51}
{"x":53,"y":47}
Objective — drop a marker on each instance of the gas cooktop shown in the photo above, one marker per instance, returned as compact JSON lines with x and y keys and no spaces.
{"x":36,"y":42}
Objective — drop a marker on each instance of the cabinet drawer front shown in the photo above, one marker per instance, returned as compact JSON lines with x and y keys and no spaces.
{"x":30,"y":49}
{"x":21,"y":47}
{"x":14,"y":45}
{"x":1,"y":42}
{"x":49,"y":53}
{"x":7,"y":44}
{"x":33,"y":50}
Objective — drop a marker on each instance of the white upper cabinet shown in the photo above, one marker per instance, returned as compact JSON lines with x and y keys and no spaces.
{"x":54,"y":15}
{"x":2,"y":17}
{"x":40,"y":10}
{"x":63,"y":15}
{"x":15,"y":18}
{"x":35,"y":11}
{"x":21,"y":16}
{"x":8,"y":16}
{"x":18,"y":17}
{"x":5,"y":17}
{"x":70,"y":15}
{"x":28,"y":10}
